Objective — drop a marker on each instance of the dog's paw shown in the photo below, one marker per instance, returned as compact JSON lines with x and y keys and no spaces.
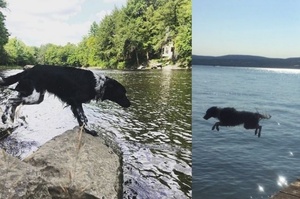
{"x":213,"y":128}
{"x":91,"y":132}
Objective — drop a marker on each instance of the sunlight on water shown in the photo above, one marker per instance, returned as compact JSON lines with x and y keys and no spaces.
{"x":281,"y":181}
{"x":261,"y":188}
{"x":281,"y":70}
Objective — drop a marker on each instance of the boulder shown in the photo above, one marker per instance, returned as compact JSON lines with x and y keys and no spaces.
{"x":72,"y":165}
{"x":78,"y":165}
{"x":20,"y":180}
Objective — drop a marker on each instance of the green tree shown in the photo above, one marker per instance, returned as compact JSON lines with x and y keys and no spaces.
{"x":133,"y":35}
{"x":18,"y":53}
{"x":70,"y":53}
{"x":82,"y":52}
{"x":3,"y":32}
{"x":183,"y":39}
{"x":40,"y":58}
{"x":105,"y":50}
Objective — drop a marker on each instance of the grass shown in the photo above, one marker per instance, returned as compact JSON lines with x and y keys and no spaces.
{"x":10,"y":67}
{"x":71,"y":188}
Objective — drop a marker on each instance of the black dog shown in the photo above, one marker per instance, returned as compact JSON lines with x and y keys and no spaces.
{"x":71,"y":85}
{"x":232,"y":117}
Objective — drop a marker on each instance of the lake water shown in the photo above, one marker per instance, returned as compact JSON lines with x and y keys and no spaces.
{"x":234,"y":163}
{"x":154,"y":134}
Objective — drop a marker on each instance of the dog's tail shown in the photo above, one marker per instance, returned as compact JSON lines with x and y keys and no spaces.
{"x":6,"y":81}
{"x":264,"y":116}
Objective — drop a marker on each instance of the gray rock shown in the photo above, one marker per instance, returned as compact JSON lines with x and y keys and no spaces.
{"x":78,"y":165}
{"x":19,"y":180}
{"x":71,"y":165}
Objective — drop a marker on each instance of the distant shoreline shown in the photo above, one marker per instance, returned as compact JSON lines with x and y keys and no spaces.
{"x":270,"y":67}
{"x":246,"y":61}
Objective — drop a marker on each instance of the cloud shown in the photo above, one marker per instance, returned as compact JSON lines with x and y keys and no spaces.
{"x":114,"y":1}
{"x":38,"y":22}
{"x":100,"y":15}
{"x":50,"y":31}
{"x":49,"y":8}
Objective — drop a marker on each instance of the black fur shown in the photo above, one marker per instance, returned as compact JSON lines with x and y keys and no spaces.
{"x":232,"y":117}
{"x":73,"y":86}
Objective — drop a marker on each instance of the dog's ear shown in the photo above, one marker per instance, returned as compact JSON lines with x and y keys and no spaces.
{"x":108,"y":85}
{"x":114,"y":91}
{"x":101,"y":88}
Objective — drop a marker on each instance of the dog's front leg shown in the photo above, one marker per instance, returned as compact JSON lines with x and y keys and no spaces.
{"x":216,"y":125}
{"x":79,"y":114}
{"x":82,"y":119}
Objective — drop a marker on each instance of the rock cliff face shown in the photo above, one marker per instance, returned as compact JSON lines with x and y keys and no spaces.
{"x":71,"y":165}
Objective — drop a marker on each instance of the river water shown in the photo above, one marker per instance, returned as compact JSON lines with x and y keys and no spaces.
{"x":154,"y":134}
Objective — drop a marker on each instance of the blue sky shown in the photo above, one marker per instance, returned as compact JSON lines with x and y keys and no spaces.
{"x":268,"y":28}
{"x":37,"y":22}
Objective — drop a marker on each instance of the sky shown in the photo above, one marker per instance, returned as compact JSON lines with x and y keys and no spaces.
{"x":37,"y":22}
{"x":269,"y":28}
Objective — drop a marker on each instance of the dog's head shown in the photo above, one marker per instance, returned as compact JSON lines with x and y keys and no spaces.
{"x":211,"y":112}
{"x":114,"y":91}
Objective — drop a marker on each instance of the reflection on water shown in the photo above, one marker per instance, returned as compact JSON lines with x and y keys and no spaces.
{"x":282,"y":181}
{"x":261,"y":188}
{"x":280,"y":70}
{"x":154,"y":134}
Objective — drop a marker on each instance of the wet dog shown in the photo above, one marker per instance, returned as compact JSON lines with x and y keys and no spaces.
{"x":232,"y":117}
{"x":73,"y":86}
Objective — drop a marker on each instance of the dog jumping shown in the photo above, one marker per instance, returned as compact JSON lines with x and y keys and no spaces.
{"x":231,"y":117}
{"x":72,"y":86}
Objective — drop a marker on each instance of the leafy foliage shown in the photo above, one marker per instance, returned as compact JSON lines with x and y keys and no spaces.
{"x":3,"y":32}
{"x":127,"y":38}
{"x":18,"y":53}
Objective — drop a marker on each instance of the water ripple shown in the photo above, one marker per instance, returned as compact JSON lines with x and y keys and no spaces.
{"x":154,"y":134}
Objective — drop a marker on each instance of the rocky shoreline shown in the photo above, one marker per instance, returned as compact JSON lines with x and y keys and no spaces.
{"x":71,"y":165}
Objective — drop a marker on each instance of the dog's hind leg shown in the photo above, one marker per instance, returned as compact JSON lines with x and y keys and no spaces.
{"x":258,"y":130}
{"x":10,"y":109}
{"x":5,"y":114}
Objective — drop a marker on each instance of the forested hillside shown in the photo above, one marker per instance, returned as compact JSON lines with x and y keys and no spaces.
{"x":127,"y":38}
{"x":246,"y":61}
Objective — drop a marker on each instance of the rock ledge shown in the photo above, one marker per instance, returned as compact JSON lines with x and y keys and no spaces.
{"x":71,"y":165}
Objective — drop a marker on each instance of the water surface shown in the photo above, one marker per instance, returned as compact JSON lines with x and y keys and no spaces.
{"x":154,"y":134}
{"x":234,"y":163}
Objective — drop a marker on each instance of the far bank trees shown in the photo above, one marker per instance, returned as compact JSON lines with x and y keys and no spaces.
{"x":131,"y":36}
